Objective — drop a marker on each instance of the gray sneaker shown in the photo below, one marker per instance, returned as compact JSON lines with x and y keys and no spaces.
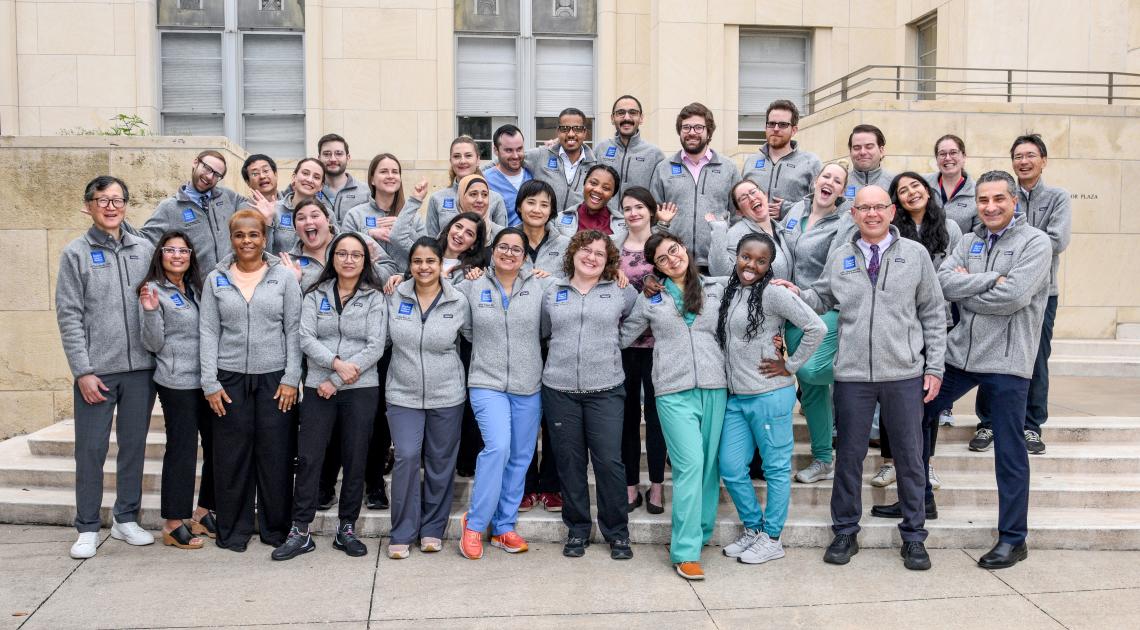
{"x":817,"y":471}
{"x":734,"y":549}
{"x":763,"y":550}
{"x":946,"y":418}
{"x":983,"y":440}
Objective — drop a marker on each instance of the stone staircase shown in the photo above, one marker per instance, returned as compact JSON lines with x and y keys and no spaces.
{"x":1085,"y":491}
{"x":1113,"y":358}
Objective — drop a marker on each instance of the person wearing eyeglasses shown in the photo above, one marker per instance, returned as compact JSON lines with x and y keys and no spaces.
{"x":753,"y":206}
{"x":563,"y":165}
{"x":697,"y":179}
{"x":259,"y":171}
{"x":867,"y":146}
{"x":892,"y":320}
{"x":308,"y":177}
{"x":169,"y":296}
{"x":201,"y":208}
{"x":340,"y":190}
{"x":627,"y":152}
{"x":953,"y":186}
{"x":96,"y":307}
{"x":344,"y":318}
{"x":250,"y":355}
{"x":783,"y":172}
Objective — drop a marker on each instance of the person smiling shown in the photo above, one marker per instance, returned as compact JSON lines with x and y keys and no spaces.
{"x":377,"y":217}
{"x":563,"y":165}
{"x":310,"y":253}
{"x":691,"y":391}
{"x":508,"y":175}
{"x":602,"y":182}
{"x":444,"y":203}
{"x":753,"y":207}
{"x":308,"y":177}
{"x":626,"y":151}
{"x":340,"y":190}
{"x":953,"y":186}
{"x":781,"y":171}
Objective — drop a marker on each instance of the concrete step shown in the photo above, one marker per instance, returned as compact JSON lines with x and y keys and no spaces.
{"x":1128,"y":332}
{"x":1118,"y":358}
{"x":1098,"y":348}
{"x":808,"y":526}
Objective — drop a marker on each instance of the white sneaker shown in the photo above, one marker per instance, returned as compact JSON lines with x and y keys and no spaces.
{"x":763,"y":550}
{"x":885,"y":476}
{"x":946,"y":419}
{"x":734,"y":549}
{"x":131,"y":533}
{"x":85,"y":545}
{"x":935,"y":482}
{"x":816,"y":471}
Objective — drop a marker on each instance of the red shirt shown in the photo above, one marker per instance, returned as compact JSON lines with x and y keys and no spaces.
{"x":599,"y":221}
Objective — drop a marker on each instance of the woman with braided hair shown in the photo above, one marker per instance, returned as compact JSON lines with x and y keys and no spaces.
{"x":761,"y":393}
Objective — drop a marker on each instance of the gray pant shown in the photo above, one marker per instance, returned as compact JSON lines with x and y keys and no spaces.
{"x":132,"y":395}
{"x":433,"y":436}
{"x":900,"y":415}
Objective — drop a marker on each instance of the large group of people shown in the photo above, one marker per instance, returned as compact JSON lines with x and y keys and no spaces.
{"x":521,"y":325}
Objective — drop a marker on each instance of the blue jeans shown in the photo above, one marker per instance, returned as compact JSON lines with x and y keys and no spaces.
{"x":509,"y":424}
{"x":764,"y":421}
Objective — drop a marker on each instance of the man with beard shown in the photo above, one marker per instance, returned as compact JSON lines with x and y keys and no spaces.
{"x":867,"y":148}
{"x":697,"y":179}
{"x":508,"y":174}
{"x":780,"y":169}
{"x":631,"y":156}
{"x":564,"y":164}
{"x":341,"y":190}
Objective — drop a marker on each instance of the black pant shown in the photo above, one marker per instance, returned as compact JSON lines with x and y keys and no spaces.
{"x":352,"y":412}
{"x":588,"y":425}
{"x":377,"y":448}
{"x":542,"y":476}
{"x":901,"y":415}
{"x":187,"y":416}
{"x":1037,"y":400}
{"x":254,"y":446}
{"x":470,"y":437}
{"x":638,"y":366}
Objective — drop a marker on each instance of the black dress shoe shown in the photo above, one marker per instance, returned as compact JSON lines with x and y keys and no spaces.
{"x":914,"y":556}
{"x":841,"y":549}
{"x":1003,"y":556}
{"x":894,"y":510}
{"x":575,"y":547}
{"x":378,"y":498}
{"x":636,"y":503}
{"x":654,"y":508}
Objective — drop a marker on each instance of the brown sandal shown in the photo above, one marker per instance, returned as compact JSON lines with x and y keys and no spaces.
{"x":207,"y":526}
{"x":181,"y":538}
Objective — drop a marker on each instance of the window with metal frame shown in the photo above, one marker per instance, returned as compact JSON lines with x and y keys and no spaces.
{"x":773,"y":65}
{"x":926,"y":56}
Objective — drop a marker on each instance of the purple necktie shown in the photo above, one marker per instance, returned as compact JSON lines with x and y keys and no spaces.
{"x":873,"y":266}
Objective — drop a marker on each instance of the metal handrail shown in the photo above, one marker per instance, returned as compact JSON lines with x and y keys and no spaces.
{"x":844,"y":87}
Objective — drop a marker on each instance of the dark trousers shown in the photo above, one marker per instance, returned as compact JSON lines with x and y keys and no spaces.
{"x":589,"y":426}
{"x":1007,"y":394}
{"x":638,"y":366}
{"x":254,"y":446}
{"x":430,"y":436}
{"x":470,"y":437}
{"x":542,"y":475}
{"x":188,"y":416}
{"x":1037,"y":399}
{"x":131,"y":394}
{"x":377,"y":448}
{"x":900,"y":415}
{"x":351,"y":411}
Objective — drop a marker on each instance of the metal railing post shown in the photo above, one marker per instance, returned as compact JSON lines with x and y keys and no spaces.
{"x":898,"y":83}
{"x":843,"y":90}
{"x":1009,"y":86}
{"x":1110,"y":88}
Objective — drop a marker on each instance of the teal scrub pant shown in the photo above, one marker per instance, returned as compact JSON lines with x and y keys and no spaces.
{"x":815,"y":379}
{"x":692,"y":422}
{"x":761,"y":421}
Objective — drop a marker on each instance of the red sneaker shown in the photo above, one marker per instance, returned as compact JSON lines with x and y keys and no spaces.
{"x":509,"y":542}
{"x":528,"y":502}
{"x":552,"y":501}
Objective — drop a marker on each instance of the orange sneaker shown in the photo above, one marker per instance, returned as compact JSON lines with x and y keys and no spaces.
{"x":509,"y":542}
{"x":471,"y":544}
{"x":690,"y":570}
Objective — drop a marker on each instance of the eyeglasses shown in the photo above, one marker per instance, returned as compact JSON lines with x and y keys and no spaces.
{"x":1018,"y":157}
{"x":674,"y":251}
{"x":513,"y":250}
{"x":622,"y":113}
{"x":107,"y":202}
{"x":569,"y":128}
{"x":343,"y":255}
{"x":751,"y":192}
{"x":264,"y":171}
{"x":696,"y":128}
{"x":336,"y":154}
{"x":942,"y":155}
{"x":211,"y":172}
{"x":773,"y":124}
{"x":878,"y":207}
{"x":181,"y":251}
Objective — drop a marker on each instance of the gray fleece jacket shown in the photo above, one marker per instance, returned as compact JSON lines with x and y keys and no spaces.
{"x":891,"y":330}
{"x":566,"y":222}
{"x":857,"y":179}
{"x":311,"y":268}
{"x":584,"y":353}
{"x":355,"y":335}
{"x":506,"y":353}
{"x":961,"y":206}
{"x":672,"y":181}
{"x":96,"y":305}
{"x":426,"y":372}
{"x":549,"y":255}
{"x":791,"y":178}
{"x":684,"y":357}
{"x":743,"y":355}
{"x":548,"y":166}
{"x":354,"y":193}
{"x":808,"y":249}
{"x":1001,"y":323}
{"x":363,"y":217}
{"x":171,"y":333}
{"x":255,"y":337}
{"x":635,"y":163}
{"x":443,"y":205}
{"x":1048,"y":209}
{"x":208,"y":228}
{"x":724,"y":241}
{"x":282,"y":233}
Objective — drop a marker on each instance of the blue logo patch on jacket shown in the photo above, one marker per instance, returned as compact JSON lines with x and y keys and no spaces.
{"x":611,"y":152}
{"x":977,"y":247}
{"x":97,"y":258}
{"x":562,"y":295}
{"x":676,"y":170}
{"x":449,"y":203}
{"x":657,"y":299}
{"x":287,"y":220}
{"x":567,"y":219}
{"x":302,"y":261}
{"x":370,"y":221}
{"x":851,"y":191}
{"x":188,"y":215}
{"x":848,"y":263}
{"x":177,"y":300}
{"x":552,"y":163}
{"x":485,"y":296}
{"x":222,"y":281}
{"x":760,"y":162}
{"x":405,"y":308}
{"x":792,"y":224}
{"x":325,"y":306}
